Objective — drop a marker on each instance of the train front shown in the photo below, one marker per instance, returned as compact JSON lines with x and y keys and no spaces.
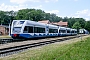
{"x":16,"y":28}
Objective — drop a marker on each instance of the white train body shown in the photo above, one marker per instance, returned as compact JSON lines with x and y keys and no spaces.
{"x":83,"y":31}
{"x":32,"y":29}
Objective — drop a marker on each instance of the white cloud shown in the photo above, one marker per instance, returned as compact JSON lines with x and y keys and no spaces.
{"x":53,"y":11}
{"x":50,"y":1}
{"x":24,"y":1}
{"x":9,"y":7}
{"x":89,"y":14}
{"x":5,"y":7}
{"x":37,"y":7}
{"x":82,"y":14}
{"x":87,"y":19}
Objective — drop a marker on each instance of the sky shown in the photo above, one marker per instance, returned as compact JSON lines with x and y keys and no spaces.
{"x":62,"y":8}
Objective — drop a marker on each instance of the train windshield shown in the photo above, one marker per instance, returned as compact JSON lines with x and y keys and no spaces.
{"x":17,"y":29}
{"x":18,"y":23}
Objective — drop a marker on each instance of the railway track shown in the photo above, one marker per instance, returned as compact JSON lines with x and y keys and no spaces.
{"x":13,"y":50}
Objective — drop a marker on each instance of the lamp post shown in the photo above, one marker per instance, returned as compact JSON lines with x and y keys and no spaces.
{"x":9,"y":29}
{"x":0,"y":19}
{"x":10,"y":25}
{"x":11,"y":14}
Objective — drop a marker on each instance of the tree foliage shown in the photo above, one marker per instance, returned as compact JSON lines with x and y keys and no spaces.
{"x":77,"y":26}
{"x":37,"y":15}
{"x":87,"y":26}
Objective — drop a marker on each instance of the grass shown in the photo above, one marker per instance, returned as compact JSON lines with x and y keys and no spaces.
{"x":74,"y":51}
{"x":5,"y":36}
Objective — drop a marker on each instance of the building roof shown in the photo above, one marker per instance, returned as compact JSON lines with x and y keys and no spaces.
{"x":45,"y":21}
{"x":54,"y":23}
{"x":62,"y":23}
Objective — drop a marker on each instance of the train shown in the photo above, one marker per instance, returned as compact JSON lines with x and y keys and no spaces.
{"x":83,"y":31}
{"x":32,"y":29}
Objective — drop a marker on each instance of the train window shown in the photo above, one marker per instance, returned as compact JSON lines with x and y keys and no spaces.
{"x":17,"y":29}
{"x":53,"y":30}
{"x":62,"y":31}
{"x":25,"y":30}
{"x":72,"y":31}
{"x":21,"y":22}
{"x":18,"y":23}
{"x":28,"y":29}
{"x":68,"y":31}
{"x":75,"y":31}
{"x":14,"y":22}
{"x":39,"y":30}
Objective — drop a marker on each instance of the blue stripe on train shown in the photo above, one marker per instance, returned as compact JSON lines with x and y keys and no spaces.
{"x":35,"y":35}
{"x":31,"y":36}
{"x":26,"y":35}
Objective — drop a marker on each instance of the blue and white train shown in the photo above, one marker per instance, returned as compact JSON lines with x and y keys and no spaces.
{"x":83,"y":31}
{"x":32,"y":29}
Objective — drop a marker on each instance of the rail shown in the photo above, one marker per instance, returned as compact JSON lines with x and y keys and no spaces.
{"x":16,"y":49}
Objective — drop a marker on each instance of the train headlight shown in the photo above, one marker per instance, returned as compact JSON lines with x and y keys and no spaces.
{"x":15,"y":35}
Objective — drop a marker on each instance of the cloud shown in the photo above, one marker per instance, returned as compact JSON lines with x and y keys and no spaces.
{"x":82,"y":14}
{"x":5,"y":7}
{"x":50,"y":1}
{"x":87,"y":19}
{"x":37,"y":7}
{"x":24,"y":1}
{"x":9,"y":7}
{"x":53,"y":11}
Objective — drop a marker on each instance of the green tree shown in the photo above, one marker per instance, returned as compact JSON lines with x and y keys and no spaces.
{"x":30,"y":14}
{"x":82,"y":22}
{"x":4,"y":18}
{"x":11,"y":15}
{"x":71,"y":21}
{"x":76,"y":26}
{"x":65,"y":19}
{"x":87,"y":26}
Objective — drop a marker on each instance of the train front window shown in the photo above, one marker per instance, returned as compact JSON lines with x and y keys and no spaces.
{"x":18,"y":23}
{"x":17,"y":29}
{"x":21,"y":22}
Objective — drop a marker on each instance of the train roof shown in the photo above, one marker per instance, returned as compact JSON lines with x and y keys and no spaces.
{"x":74,"y":29}
{"x":62,"y":28}
{"x":68,"y":28}
{"x":29,"y":22}
{"x":34,"y":22}
{"x":52,"y":26}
